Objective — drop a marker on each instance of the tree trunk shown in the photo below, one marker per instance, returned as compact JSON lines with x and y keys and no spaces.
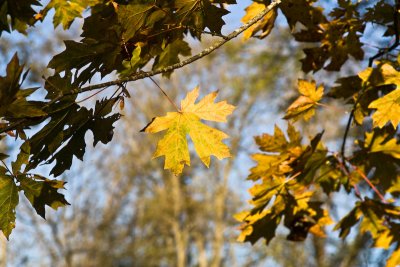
{"x":319,"y":251}
{"x":202,"y":256}
{"x":180,"y":237}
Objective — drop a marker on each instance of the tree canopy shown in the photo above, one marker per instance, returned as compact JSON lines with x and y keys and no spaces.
{"x":139,"y":39}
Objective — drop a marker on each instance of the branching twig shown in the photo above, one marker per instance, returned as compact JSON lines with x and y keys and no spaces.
{"x":345,"y":170}
{"x":370,"y":62}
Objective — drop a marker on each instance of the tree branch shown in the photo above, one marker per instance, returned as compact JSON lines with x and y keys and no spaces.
{"x":141,"y":75}
{"x":205,"y":52}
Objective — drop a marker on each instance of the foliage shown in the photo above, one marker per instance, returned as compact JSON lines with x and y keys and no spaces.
{"x":207,"y":140}
{"x":130,"y":37}
{"x":304,"y":106}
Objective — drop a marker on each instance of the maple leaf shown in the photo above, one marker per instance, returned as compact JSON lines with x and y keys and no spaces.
{"x":272,"y":163}
{"x":66,"y":11}
{"x":41,"y":191}
{"x":8,"y":203}
{"x":382,"y":144}
{"x":170,"y":55}
{"x":207,"y":140}
{"x":394,"y":258}
{"x":265,"y":25}
{"x":388,"y":106}
{"x":304,"y":105}
{"x":387,"y":109}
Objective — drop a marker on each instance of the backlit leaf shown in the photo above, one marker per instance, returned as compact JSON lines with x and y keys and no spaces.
{"x":387,"y":109}
{"x":67,"y":11}
{"x":265,"y":25}
{"x":304,"y":105}
{"x":381,"y":144}
{"x":207,"y":140}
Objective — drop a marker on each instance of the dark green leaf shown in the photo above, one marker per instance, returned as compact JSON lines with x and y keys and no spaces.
{"x":8,"y":203}
{"x":43,"y":192}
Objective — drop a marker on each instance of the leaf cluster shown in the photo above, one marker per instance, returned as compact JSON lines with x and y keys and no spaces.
{"x":294,"y":180}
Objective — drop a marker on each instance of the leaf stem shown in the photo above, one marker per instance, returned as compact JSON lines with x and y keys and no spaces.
{"x":328,"y":107}
{"x":165,"y":94}
{"x":92,"y":95}
{"x":291,"y":178}
{"x":8,"y":169}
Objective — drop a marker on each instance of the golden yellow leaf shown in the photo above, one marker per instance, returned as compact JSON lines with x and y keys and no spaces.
{"x":247,"y":230}
{"x":387,"y":109}
{"x":394,"y":259}
{"x":384,"y":74}
{"x":317,"y":230}
{"x":265,"y":25}
{"x":384,"y":240}
{"x":304,"y":105}
{"x":381,"y":144}
{"x":207,"y":140}
{"x":388,"y":106}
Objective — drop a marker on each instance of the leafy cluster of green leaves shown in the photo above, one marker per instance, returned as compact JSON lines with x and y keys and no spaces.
{"x":59,"y":140}
{"x":126,"y":37}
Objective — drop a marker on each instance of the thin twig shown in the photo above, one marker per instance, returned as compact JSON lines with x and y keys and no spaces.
{"x":329,"y":107}
{"x":346,"y":172}
{"x":357,"y":191}
{"x":369,"y":183}
{"x":92,"y":95}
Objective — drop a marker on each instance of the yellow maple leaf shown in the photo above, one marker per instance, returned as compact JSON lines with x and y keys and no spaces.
{"x":384,"y":240}
{"x":388,"y":106}
{"x":304,"y":105}
{"x":387,"y":109}
{"x":207,"y":140}
{"x":381,"y":144}
{"x":318,"y":228}
{"x":394,"y":258}
{"x":265,"y":25}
